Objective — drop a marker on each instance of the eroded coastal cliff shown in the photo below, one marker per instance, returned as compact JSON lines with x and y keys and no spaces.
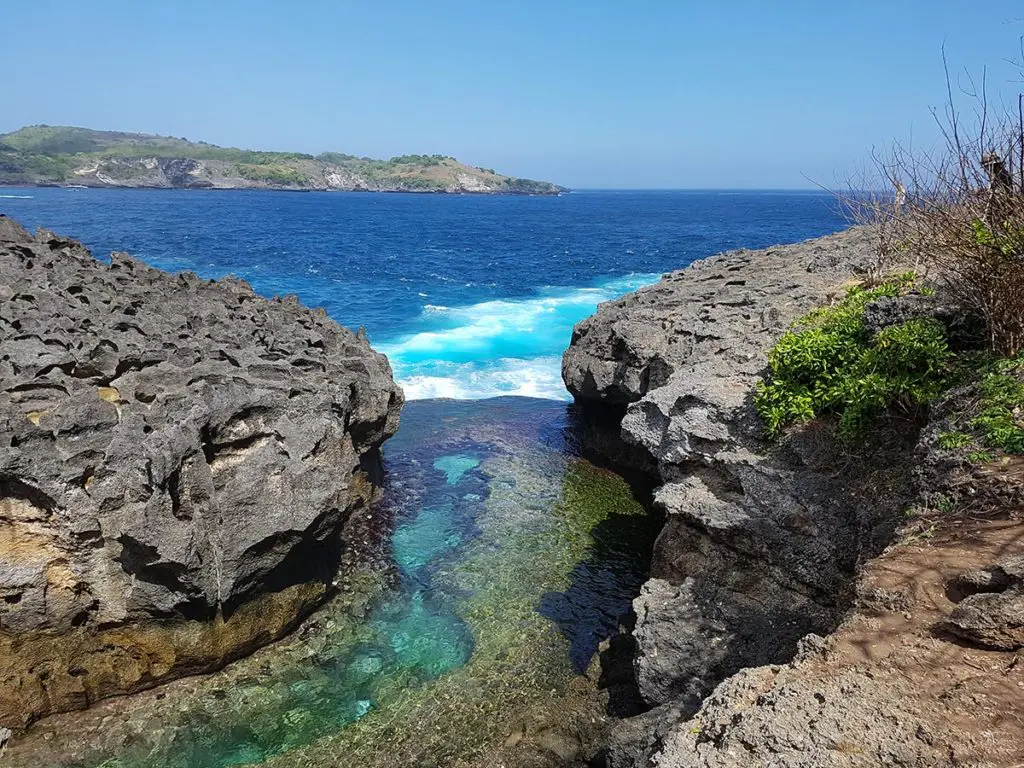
{"x":769,"y":545}
{"x":179,"y":460}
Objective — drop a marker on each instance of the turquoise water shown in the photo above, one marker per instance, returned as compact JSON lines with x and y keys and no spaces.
{"x":454,"y":467}
{"x":502,"y":347}
{"x":412,"y":633}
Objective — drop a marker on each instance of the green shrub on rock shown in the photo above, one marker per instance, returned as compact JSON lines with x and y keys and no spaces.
{"x":1001,"y":420}
{"x":830,"y":362}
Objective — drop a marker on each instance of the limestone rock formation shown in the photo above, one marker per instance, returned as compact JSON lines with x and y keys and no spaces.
{"x":889,"y":687}
{"x":178,"y":458}
{"x":57,"y":155}
{"x":761,"y":542}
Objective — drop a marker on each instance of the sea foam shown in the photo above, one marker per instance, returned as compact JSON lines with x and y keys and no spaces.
{"x":498,"y":347}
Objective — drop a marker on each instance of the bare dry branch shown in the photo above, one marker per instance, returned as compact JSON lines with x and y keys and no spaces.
{"x":959,"y":211}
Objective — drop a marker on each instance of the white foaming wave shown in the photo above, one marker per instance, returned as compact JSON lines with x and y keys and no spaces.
{"x":498,"y":347}
{"x":538,"y":377}
{"x":502,"y":328}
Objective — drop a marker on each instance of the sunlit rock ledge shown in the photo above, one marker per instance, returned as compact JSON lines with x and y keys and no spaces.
{"x":178,"y":458}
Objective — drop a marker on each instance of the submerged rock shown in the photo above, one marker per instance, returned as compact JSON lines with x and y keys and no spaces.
{"x":178,"y":458}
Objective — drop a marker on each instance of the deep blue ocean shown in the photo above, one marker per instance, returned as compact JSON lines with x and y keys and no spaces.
{"x":469,"y":296}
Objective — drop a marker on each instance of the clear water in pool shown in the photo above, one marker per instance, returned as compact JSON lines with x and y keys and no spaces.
{"x":506,"y":559}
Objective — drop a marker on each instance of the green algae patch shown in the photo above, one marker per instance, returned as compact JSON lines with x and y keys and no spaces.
{"x":591,"y":495}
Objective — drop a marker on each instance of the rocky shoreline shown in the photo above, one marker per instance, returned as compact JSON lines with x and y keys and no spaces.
{"x":182,"y":461}
{"x":179,"y":461}
{"x":765,"y":547}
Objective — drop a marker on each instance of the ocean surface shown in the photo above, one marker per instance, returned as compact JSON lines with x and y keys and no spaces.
{"x":470,"y":297}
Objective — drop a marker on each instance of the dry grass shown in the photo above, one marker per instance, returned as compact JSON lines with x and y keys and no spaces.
{"x":958,"y":213}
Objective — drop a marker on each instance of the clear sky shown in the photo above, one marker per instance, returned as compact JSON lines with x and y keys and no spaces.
{"x":587,"y":93}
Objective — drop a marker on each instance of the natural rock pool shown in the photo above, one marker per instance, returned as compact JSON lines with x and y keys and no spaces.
{"x":477,"y":592}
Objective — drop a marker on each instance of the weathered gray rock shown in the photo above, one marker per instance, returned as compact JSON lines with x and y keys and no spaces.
{"x":993,"y":616}
{"x":885,"y":689}
{"x":699,"y":632}
{"x":964,"y":328}
{"x":636,"y":740}
{"x":762,"y":717}
{"x":761,"y":542}
{"x":177,"y":460}
{"x":892,"y":310}
{"x":718,"y":315}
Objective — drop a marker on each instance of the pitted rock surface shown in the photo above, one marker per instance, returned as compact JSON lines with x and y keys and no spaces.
{"x":892,"y":686}
{"x":170,"y":447}
{"x":710,"y":323}
{"x":761,"y":542}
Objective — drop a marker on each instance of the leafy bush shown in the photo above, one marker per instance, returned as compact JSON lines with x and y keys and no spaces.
{"x":336,"y":158}
{"x":1001,"y":421}
{"x":46,"y":167}
{"x":952,"y":440}
{"x":990,"y":419}
{"x":53,"y":139}
{"x":426,"y":160}
{"x":527,"y":186}
{"x":829,"y":362}
{"x":156,"y":147}
{"x":420,"y":183}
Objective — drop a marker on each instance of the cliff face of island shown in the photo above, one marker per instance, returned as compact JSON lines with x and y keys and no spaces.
{"x":767,"y":546}
{"x":178,"y":460}
{"x":60,"y":155}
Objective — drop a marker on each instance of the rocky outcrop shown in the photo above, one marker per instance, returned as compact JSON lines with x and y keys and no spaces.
{"x":992,"y":613}
{"x":178,"y":458}
{"x":891,"y":687}
{"x":761,"y":542}
{"x":158,"y":172}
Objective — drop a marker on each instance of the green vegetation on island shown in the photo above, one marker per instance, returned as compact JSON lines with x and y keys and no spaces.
{"x":62,"y":155}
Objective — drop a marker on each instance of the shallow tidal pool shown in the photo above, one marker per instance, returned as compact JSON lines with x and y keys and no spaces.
{"x":476,"y":593}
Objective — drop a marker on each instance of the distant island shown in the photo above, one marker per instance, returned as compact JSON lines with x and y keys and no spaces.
{"x":50,"y":155}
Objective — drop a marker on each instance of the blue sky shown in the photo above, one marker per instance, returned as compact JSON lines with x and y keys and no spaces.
{"x":586,"y":93}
